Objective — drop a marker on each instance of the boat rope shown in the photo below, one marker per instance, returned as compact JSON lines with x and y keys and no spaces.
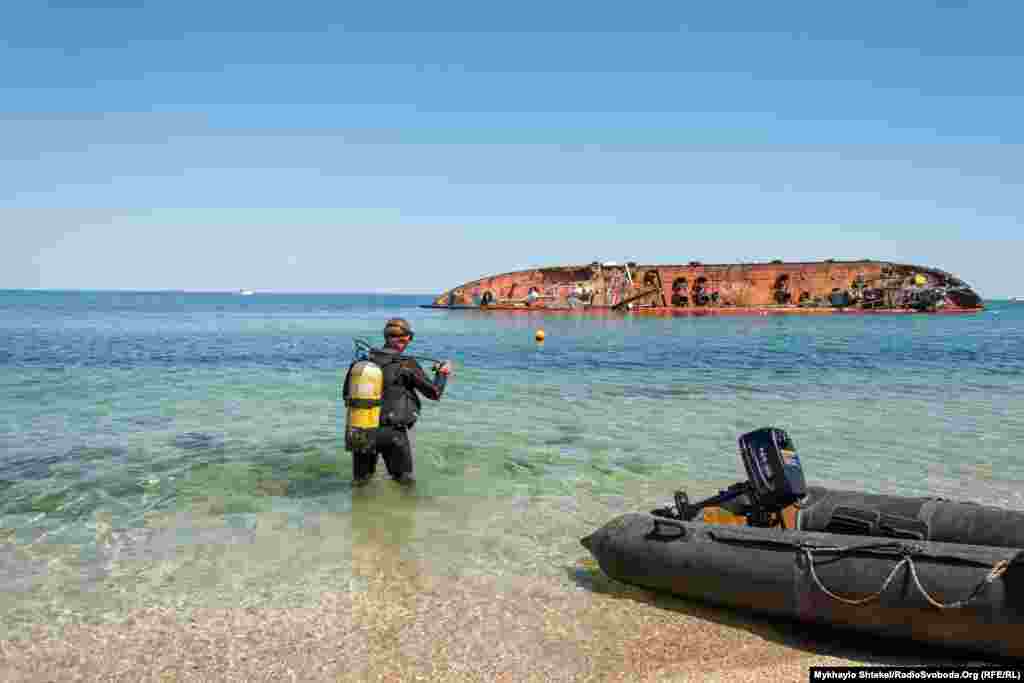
{"x":809,"y":554}
{"x":996,"y":571}
{"x":907,"y":553}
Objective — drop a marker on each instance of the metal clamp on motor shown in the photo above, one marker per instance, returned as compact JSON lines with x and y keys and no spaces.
{"x":775,"y":480}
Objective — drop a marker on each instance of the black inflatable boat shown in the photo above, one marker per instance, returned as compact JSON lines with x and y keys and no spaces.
{"x":926,"y":569}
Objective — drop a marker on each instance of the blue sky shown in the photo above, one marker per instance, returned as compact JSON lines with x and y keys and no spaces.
{"x":331,"y":146}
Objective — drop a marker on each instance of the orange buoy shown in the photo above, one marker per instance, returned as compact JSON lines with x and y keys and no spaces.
{"x":539,"y":335}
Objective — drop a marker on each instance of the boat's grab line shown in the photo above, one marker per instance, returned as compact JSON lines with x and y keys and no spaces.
{"x":908,"y":552}
{"x":882,"y":548}
{"x":998,"y":569}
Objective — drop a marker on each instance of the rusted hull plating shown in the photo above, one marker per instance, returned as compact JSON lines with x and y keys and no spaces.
{"x":720,"y":289}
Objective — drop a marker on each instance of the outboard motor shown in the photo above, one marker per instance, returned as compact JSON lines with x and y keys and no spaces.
{"x":775,"y":481}
{"x":775,"y":474}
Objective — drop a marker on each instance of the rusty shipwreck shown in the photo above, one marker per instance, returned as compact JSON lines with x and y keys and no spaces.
{"x":697,"y":288}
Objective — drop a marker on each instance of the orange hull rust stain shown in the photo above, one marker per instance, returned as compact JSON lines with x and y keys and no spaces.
{"x":720,"y":289}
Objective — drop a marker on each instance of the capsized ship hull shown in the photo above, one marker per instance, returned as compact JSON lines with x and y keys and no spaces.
{"x":697,"y":288}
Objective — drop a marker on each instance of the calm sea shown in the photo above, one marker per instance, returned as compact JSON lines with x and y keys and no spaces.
{"x":183,"y":449}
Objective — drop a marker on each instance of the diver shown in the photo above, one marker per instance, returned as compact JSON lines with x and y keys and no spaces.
{"x":400,"y":405}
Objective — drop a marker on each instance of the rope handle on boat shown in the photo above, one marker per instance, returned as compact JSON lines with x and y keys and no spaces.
{"x":674,"y":523}
{"x":883,"y":548}
{"x":997,"y":570}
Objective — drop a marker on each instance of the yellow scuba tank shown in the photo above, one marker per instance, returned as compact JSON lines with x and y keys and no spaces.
{"x":365,"y":389}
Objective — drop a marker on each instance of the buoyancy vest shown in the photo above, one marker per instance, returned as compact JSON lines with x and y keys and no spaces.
{"x":400,"y":406}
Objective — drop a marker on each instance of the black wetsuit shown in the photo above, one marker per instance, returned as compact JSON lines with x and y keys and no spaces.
{"x":400,"y":408}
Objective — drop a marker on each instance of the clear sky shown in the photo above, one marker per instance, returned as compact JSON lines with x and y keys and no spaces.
{"x":336,"y":146}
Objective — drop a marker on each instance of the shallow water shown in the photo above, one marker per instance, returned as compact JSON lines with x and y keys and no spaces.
{"x":182,"y":449}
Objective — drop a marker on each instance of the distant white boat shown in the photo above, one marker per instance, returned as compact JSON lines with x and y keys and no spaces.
{"x":245,"y":292}
{"x":1018,"y":299}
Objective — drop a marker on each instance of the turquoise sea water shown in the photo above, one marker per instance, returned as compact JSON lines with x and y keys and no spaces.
{"x":180,"y":448}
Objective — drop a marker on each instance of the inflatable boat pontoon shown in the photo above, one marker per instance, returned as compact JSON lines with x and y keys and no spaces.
{"x":925,"y":569}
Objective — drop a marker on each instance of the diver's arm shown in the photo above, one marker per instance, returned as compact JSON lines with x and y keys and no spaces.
{"x":432,"y":390}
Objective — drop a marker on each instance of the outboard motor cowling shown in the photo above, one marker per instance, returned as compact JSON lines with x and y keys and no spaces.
{"x":773,"y":467}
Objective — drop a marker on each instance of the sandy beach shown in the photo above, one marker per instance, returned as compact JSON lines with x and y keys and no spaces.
{"x":407,"y":626}
{"x":427,"y":611}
